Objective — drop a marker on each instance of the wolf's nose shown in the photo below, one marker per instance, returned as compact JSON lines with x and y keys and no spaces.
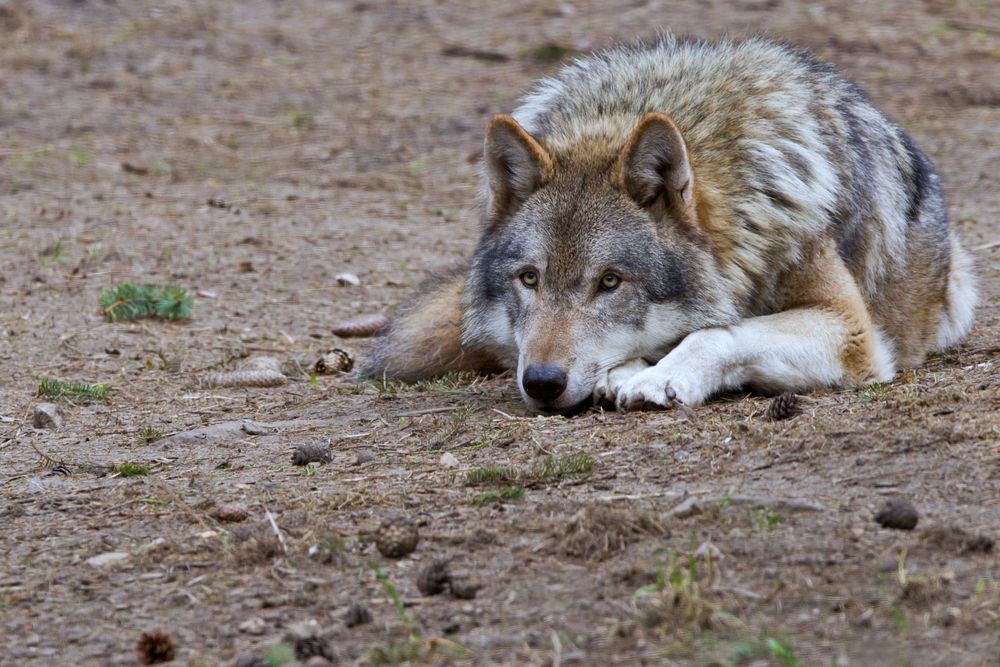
{"x":543,"y":382}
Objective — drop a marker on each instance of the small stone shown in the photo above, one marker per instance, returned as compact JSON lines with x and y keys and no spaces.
{"x":363,"y":456}
{"x":253,"y":626}
{"x":159,"y":544}
{"x":334,"y":361}
{"x":231,"y":512}
{"x":251,"y":661}
{"x":434,"y":578}
{"x":47,"y":415}
{"x":357,"y":615}
{"x":347,"y":280}
{"x":898,"y":513}
{"x":687,"y":508}
{"x":109,"y":558}
{"x":785,"y":406}
{"x":464,"y":586}
{"x":448,"y":460}
{"x":397,"y":537}
{"x":310,"y":453}
{"x":262,"y":364}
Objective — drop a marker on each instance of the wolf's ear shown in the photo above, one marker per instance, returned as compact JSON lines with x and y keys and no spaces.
{"x":655,"y":162}
{"x":516,"y":165}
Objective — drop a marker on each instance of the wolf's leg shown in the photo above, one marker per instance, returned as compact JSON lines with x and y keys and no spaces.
{"x":824,"y":337}
{"x":424,"y":337}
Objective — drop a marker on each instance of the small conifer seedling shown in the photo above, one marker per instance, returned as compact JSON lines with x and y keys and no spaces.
{"x":127,"y":302}
{"x":74,"y":391}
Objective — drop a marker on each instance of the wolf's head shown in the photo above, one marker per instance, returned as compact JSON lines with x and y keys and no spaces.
{"x":591,"y":255}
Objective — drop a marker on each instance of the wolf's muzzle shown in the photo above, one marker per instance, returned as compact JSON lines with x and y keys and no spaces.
{"x":544,"y":382}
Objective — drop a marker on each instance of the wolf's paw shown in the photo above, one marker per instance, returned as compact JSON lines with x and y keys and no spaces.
{"x":606,"y":389}
{"x":658,"y":387}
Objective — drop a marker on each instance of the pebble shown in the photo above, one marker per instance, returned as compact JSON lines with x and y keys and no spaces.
{"x":347,"y":280}
{"x":262,"y":364}
{"x":448,"y":460}
{"x":253,"y":626}
{"x":364,"y":456}
{"x":464,"y":586}
{"x":109,"y":558}
{"x":47,"y":415}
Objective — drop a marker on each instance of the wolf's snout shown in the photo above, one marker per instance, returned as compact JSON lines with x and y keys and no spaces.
{"x":544,"y":382}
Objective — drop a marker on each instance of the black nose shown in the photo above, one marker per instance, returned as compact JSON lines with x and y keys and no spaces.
{"x":543,"y":382}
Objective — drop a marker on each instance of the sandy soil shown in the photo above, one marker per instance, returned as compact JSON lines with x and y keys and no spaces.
{"x":252,"y":151}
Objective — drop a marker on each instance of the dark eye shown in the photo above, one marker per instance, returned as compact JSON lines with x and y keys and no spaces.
{"x":529,"y":278}
{"x":610,"y":281}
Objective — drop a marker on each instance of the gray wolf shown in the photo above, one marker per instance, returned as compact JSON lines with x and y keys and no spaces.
{"x":666,"y":221}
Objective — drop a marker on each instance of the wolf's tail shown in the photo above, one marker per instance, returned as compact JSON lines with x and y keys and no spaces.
{"x":960,"y":299}
{"x":424,"y":337}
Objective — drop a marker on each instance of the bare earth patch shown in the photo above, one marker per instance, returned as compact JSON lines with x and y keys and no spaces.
{"x":250,"y":153}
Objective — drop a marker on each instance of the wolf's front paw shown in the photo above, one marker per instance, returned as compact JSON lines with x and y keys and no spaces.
{"x":607,"y":386}
{"x":657,"y":386}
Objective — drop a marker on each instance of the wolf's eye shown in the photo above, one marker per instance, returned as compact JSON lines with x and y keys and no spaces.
{"x":609,"y":281}
{"x":529,"y":278}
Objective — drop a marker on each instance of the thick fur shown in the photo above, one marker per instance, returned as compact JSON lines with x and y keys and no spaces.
{"x":769,"y":227}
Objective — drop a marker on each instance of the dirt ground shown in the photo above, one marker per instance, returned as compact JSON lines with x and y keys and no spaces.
{"x":250,"y":152}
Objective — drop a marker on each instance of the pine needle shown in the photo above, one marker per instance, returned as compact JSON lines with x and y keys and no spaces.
{"x":127,"y":302}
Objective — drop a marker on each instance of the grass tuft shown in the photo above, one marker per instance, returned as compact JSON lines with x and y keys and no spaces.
{"x":50,"y":255}
{"x":764,"y":518}
{"x":489,"y":475}
{"x":745,"y":651}
{"x":677,"y":598}
{"x":508,"y":494}
{"x":131,"y":469}
{"x":279,"y":654}
{"x":149,"y":435}
{"x":547,"y":53}
{"x":73,"y":391}
{"x":875,"y":392}
{"x":551,"y":469}
{"x":546,"y":470}
{"x":127,"y":302}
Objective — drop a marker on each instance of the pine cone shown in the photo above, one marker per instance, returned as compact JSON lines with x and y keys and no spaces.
{"x":785,"y":406}
{"x":309,"y":453}
{"x":154,"y":648}
{"x":231,"y":512}
{"x":464,"y":586}
{"x":357,"y":615}
{"x":362,"y":327}
{"x":250,"y":378}
{"x":435,"y":577}
{"x":308,"y":647}
{"x":898,"y":513}
{"x":397,"y":537}
{"x":334,"y":361}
